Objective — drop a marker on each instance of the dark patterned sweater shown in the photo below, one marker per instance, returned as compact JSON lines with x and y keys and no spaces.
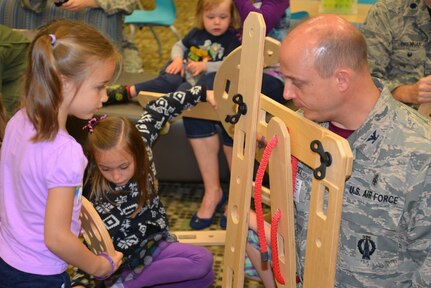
{"x":138,"y":238}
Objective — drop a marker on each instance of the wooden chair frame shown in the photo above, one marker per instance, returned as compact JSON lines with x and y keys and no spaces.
{"x":242,"y":70}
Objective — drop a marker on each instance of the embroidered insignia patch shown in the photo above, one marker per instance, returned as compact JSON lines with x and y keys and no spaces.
{"x":373,"y":137}
{"x":366,"y":247}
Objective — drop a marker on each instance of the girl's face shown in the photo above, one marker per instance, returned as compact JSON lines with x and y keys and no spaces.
{"x":116,"y":165}
{"x":217,"y":19}
{"x":92,"y":93}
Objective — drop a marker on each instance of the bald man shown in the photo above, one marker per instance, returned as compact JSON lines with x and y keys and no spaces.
{"x":385,"y":233}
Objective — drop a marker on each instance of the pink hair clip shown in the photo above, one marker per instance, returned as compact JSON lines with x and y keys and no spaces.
{"x":93,"y":122}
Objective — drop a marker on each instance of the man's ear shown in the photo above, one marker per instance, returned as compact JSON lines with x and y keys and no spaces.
{"x":343,"y":79}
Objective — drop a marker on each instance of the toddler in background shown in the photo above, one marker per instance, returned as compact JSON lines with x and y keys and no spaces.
{"x":201,"y":51}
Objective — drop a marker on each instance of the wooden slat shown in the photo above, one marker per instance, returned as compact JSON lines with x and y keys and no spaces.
{"x":249,"y":86}
{"x":201,"y":111}
{"x":94,"y":231}
{"x":202,"y":238}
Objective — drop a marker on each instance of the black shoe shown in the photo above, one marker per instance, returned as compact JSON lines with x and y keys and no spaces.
{"x":117,"y":94}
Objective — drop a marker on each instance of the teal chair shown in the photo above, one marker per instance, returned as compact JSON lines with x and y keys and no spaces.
{"x":164,"y":15}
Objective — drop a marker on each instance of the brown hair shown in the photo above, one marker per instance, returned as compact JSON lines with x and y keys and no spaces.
{"x":120,"y":132}
{"x":205,"y":5}
{"x":61,"y":48}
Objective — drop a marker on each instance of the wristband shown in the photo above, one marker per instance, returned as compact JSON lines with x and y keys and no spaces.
{"x":110,"y":262}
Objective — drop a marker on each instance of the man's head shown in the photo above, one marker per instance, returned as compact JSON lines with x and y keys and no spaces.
{"x":320,"y":58}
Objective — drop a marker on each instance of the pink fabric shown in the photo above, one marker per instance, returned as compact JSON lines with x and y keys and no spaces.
{"x":271,"y":10}
{"x":27,"y":171}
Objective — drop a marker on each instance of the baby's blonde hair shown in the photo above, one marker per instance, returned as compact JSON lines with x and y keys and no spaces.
{"x":204,"y":5}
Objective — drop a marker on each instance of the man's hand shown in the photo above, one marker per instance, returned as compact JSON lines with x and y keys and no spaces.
{"x":417,"y":93}
{"x":424,"y":90}
{"x":77,"y":5}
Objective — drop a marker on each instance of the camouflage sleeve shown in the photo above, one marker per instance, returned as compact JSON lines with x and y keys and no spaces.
{"x":377,"y":32}
{"x":419,"y":236}
{"x":167,"y":107}
{"x":123,"y":6}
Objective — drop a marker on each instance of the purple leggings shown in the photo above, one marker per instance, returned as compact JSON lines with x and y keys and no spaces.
{"x":178,"y":265}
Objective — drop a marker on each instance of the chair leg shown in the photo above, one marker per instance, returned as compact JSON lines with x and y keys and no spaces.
{"x":132,"y":33}
{"x":175,"y":31}
{"x":159,"y":44}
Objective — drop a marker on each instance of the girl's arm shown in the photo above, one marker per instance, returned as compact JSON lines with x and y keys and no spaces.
{"x":160,"y":111}
{"x":271,"y":10}
{"x":178,"y":50}
{"x":62,"y":242}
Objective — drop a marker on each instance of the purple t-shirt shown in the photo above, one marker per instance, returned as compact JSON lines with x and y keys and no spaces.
{"x":27,"y":171}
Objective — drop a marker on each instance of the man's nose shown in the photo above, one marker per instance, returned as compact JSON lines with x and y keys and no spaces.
{"x":288,"y":92}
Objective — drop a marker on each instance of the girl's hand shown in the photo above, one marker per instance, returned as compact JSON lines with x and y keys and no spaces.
{"x":176,"y":67}
{"x":211,"y":99}
{"x":106,"y":267}
{"x":196,"y":68}
{"x":77,"y":5}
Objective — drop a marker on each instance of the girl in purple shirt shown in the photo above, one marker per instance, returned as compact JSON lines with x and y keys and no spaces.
{"x":42,"y":166}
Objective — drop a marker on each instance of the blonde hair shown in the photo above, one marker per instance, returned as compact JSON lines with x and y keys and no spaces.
{"x":61,"y":48}
{"x":120,"y":132}
{"x":205,"y":5}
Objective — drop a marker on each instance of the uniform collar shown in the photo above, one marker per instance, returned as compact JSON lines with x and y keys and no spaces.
{"x":367,"y":138}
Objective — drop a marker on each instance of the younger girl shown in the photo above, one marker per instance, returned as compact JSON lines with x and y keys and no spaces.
{"x":121,"y":184}
{"x":42,"y":166}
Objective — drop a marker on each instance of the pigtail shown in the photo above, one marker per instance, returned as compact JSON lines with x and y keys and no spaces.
{"x":43,"y":88}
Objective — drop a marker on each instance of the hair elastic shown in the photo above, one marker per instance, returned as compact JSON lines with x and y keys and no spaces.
{"x":53,"y":39}
{"x":110,"y":262}
{"x":93,"y":122}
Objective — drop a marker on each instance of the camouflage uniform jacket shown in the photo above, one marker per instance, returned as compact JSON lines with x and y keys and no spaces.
{"x":385,"y":232}
{"x":398,"y":34}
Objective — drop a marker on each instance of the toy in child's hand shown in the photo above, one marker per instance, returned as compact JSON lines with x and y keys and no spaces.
{"x":59,"y":3}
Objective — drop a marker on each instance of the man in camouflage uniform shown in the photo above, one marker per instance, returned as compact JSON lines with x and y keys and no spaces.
{"x":398,"y":34}
{"x":385,"y":233}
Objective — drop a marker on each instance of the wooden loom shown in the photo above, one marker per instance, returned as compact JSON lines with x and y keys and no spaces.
{"x":242,"y":70}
